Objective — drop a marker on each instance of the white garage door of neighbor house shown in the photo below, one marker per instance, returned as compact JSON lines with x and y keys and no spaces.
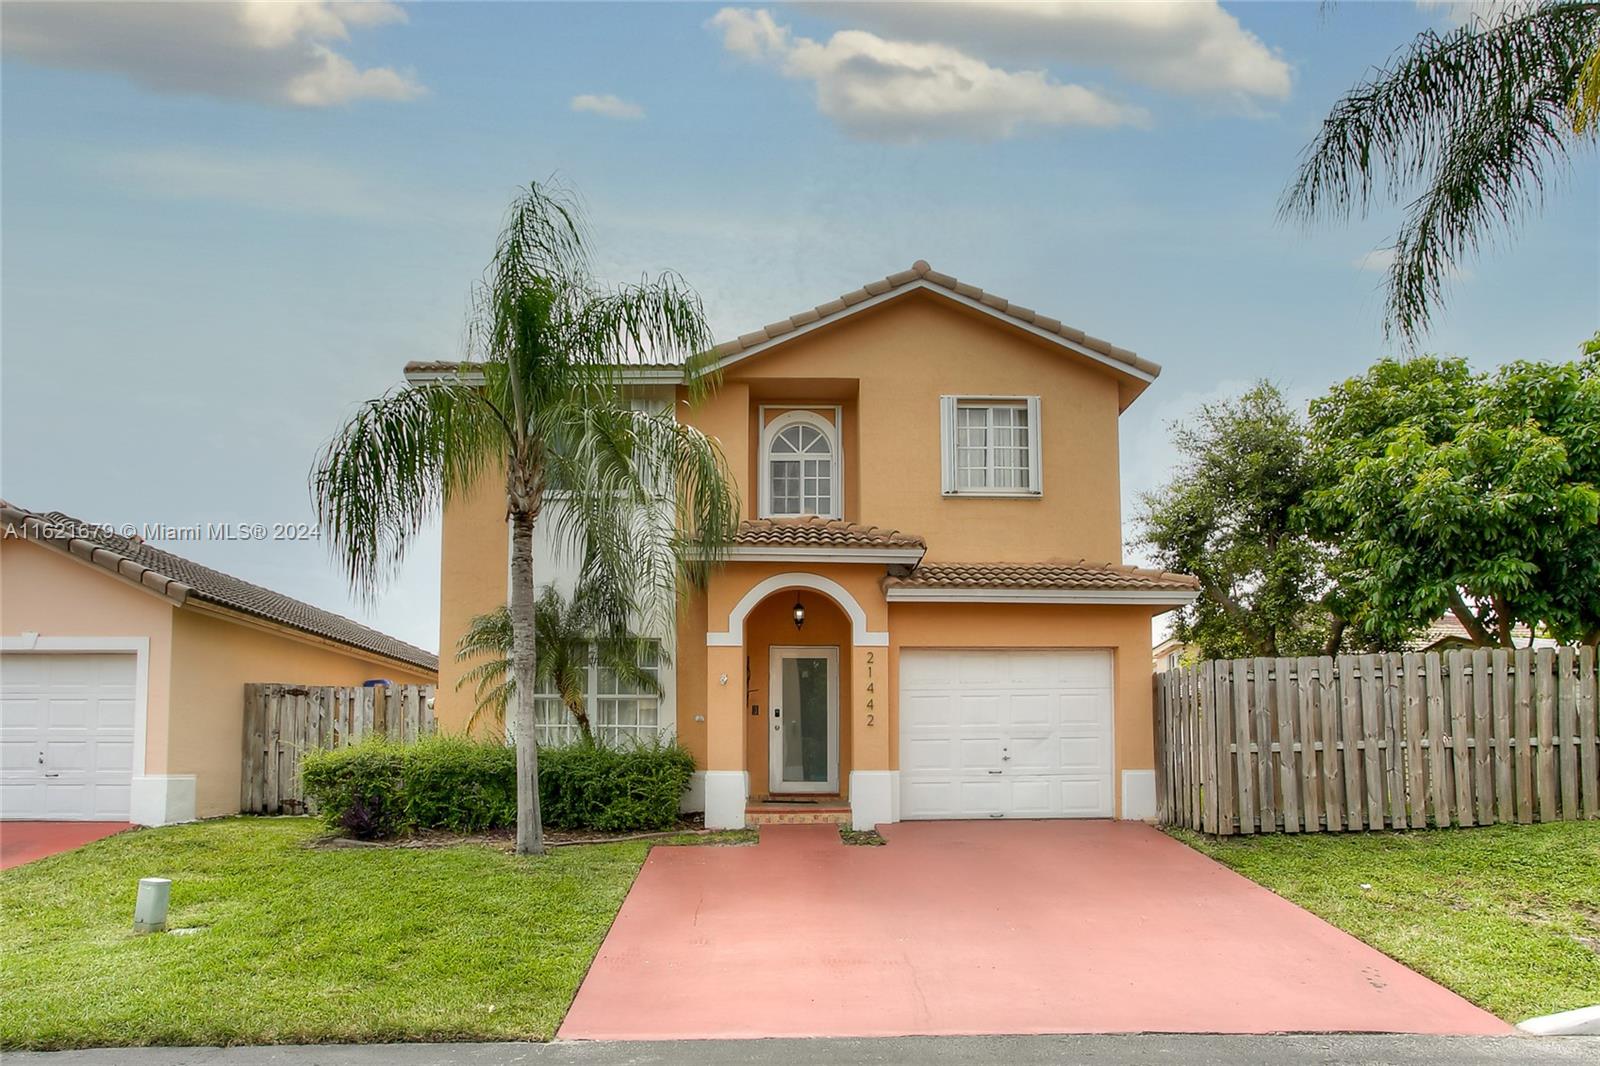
{"x":1007,"y":733}
{"x":66,"y":735}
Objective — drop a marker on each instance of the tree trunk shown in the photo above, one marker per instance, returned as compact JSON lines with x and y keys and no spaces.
{"x":1335,"y":635}
{"x":530,"y":832}
{"x":1468,"y":620}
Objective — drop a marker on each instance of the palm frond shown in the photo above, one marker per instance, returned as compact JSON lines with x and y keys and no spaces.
{"x":1475,"y":116}
{"x":391,"y":468}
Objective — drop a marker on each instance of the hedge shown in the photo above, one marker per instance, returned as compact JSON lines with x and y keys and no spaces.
{"x":379,"y":788}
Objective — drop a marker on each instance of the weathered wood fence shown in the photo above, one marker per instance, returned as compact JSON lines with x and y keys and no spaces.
{"x":281,"y":722}
{"x":1469,"y":737}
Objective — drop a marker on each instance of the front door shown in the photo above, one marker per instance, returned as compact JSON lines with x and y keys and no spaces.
{"x":804,"y":699}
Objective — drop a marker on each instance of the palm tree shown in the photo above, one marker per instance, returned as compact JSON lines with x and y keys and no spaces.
{"x":569,"y":633}
{"x":1478,"y":117}
{"x":541,"y":401}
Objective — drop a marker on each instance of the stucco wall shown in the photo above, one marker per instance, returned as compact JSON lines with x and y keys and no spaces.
{"x":213,"y":659}
{"x":472,"y":581}
{"x":905,"y":355}
{"x":43,"y":591}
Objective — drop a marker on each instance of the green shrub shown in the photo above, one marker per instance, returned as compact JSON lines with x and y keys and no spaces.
{"x":615,"y":789}
{"x":357,"y":788}
{"x":378,"y":788}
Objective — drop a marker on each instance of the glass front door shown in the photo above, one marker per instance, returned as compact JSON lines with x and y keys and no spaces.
{"x":804,"y":697}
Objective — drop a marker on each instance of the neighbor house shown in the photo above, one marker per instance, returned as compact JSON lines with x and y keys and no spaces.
{"x":122,"y":672}
{"x":925,"y":613}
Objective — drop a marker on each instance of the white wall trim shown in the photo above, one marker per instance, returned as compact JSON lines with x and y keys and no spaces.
{"x":1138,"y":795}
{"x":798,"y":554}
{"x":139,"y":646}
{"x":693,"y":800}
{"x":939,"y":290}
{"x":1150,"y":597}
{"x":726,"y":793}
{"x":733,"y":636}
{"x":874,"y":798}
{"x":162,"y":799}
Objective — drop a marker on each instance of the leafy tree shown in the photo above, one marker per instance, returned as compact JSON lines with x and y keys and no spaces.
{"x":1229,"y":517}
{"x":541,"y":401}
{"x":1478,"y":494}
{"x":1479,"y":118}
{"x":569,"y":634}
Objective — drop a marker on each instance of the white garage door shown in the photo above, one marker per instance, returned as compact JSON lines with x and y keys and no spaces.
{"x":1005,"y":734}
{"x":66,"y":736}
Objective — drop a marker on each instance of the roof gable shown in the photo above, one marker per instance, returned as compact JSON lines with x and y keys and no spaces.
{"x":1134,"y":372}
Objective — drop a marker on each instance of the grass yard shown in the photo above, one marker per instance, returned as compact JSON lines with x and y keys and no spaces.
{"x":1508,"y":916}
{"x":298,"y":943}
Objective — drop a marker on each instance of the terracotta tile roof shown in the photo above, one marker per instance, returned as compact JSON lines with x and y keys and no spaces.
{"x":813,"y":532}
{"x":921,"y":272}
{"x":178,"y":579}
{"x":1076,"y":575}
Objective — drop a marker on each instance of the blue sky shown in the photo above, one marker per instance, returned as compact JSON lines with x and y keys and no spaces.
{"x":223,"y":230}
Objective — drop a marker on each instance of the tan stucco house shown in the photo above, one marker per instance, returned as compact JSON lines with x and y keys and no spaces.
{"x":122,"y":672}
{"x":925,"y":613}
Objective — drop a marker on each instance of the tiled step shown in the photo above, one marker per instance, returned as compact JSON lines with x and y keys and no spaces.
{"x":797,"y":814}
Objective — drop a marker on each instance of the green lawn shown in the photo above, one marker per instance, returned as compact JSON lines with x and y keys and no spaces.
{"x":1508,"y":916}
{"x":300,"y":944}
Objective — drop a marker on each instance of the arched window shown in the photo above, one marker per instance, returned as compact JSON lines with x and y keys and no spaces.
{"x":800,"y":467}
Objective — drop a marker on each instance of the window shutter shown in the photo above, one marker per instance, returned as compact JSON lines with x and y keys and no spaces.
{"x":947,"y":445}
{"x":1035,"y":453}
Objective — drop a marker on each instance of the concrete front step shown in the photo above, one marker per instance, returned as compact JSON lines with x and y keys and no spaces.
{"x":797,"y":814}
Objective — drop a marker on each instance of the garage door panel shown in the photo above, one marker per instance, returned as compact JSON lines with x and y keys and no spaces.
{"x":66,"y":735}
{"x":974,"y":710}
{"x":1030,"y":730}
{"x":931,"y":711}
{"x":921,"y":753}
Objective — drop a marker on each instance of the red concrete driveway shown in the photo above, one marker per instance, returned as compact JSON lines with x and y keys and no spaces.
{"x":22,"y":842}
{"x":982,"y":927}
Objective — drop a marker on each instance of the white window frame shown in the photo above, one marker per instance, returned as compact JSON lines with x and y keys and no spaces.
{"x":949,"y":483}
{"x":830,"y":430}
{"x":554,"y":724}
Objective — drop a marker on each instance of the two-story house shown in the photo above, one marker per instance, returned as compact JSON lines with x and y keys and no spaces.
{"x":925,"y":613}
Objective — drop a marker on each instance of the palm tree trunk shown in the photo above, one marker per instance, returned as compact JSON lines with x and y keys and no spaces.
{"x":530,"y":833}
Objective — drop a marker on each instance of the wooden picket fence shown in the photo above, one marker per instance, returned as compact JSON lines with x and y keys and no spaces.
{"x":281,"y":722}
{"x":1469,"y":737}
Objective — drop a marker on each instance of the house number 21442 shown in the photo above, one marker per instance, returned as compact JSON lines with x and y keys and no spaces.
{"x":872,"y":718}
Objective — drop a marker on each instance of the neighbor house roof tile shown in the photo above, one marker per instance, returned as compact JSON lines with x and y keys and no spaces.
{"x":179,"y":579}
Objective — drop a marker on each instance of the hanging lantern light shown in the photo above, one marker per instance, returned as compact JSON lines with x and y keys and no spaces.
{"x":799,"y":613}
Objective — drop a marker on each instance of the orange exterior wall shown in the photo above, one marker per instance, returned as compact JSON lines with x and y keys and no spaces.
{"x":906,"y":354}
{"x":43,"y":591}
{"x":213,"y":658}
{"x":1125,"y":631}
{"x":773,"y":624}
{"x":200,"y":660}
{"x":472,"y":581}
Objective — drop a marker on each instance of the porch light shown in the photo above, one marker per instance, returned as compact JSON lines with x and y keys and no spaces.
{"x":799,"y":613}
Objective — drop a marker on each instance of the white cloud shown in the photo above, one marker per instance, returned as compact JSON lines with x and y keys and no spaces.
{"x":269,"y":51}
{"x":1192,"y":47}
{"x":607,"y":105}
{"x":902,"y":91}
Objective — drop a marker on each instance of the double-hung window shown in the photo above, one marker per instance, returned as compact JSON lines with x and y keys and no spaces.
{"x":990,"y":445}
{"x":620,"y":711}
